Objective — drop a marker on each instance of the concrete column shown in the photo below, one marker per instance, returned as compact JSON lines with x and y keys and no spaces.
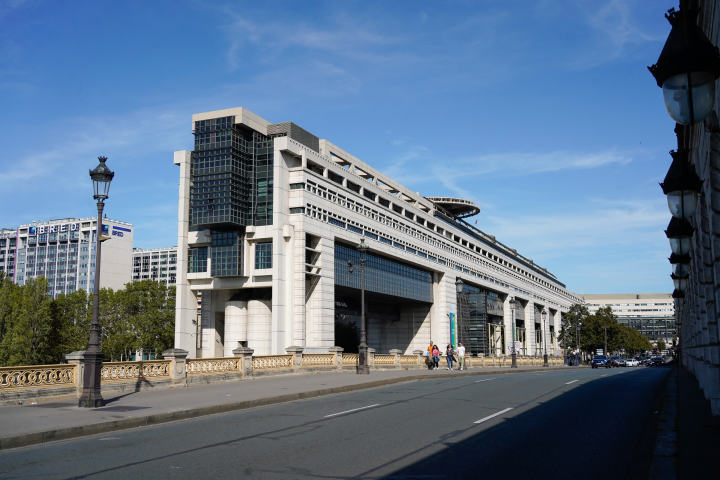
{"x":236,"y":325}
{"x":296,"y":352}
{"x":77,"y":358}
{"x":185,"y":299}
{"x":178,"y":368}
{"x":337,"y":360}
{"x":397,"y":352}
{"x":371,"y":357}
{"x":259,"y":326}
{"x":320,"y":320}
{"x":246,"y":360}
{"x":298,"y":289}
{"x":421,"y":357}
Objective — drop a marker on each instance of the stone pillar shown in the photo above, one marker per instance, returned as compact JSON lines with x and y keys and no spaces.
{"x":296,"y":352}
{"x":371,"y":357}
{"x":421,"y":357}
{"x":77,"y":358}
{"x":397,"y":354}
{"x":337,"y":361}
{"x":178,"y":369}
{"x":246,"y":360}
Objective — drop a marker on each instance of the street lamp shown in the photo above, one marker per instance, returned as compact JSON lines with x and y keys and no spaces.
{"x":687,"y":68}
{"x":545,"y":358}
{"x":459,"y":290}
{"x":681,"y":185}
{"x":680,"y":233}
{"x":514,"y":353}
{"x":577,"y":336}
{"x":363,"y":367}
{"x":91,"y":396}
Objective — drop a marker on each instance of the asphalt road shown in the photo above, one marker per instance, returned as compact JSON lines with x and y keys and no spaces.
{"x":589,"y":424}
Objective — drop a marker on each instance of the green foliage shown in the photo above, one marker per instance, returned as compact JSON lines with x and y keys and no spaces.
{"x":661,"y":344}
{"x":598,"y":330}
{"x":35,"y":329}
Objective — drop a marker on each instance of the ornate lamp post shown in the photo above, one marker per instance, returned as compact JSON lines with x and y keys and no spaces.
{"x":578,"y":324}
{"x":687,"y":68}
{"x":91,"y":396}
{"x":514,"y":353}
{"x":363,"y":367}
{"x":544,"y":333}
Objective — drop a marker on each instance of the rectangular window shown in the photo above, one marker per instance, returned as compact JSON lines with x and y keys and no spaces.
{"x":397,"y":208}
{"x":335,"y":177}
{"x":197,"y":260}
{"x":297,"y":210}
{"x":354,"y":187}
{"x":369,"y":195}
{"x":384,"y":203}
{"x":263,"y":255}
{"x":297,"y":186}
{"x":371,"y":235}
{"x":355,"y":229}
{"x":409,"y":215}
{"x":386,"y":240}
{"x":336,"y":222}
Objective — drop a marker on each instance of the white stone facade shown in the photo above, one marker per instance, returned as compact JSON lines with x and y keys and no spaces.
{"x":326,"y":198}
{"x":157,"y":264}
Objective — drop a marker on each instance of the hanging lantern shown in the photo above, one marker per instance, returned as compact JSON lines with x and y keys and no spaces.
{"x":679,"y":232}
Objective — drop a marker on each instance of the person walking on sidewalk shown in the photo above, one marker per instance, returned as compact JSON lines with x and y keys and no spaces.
{"x":435,"y":356}
{"x":429,"y":357}
{"x":450,"y":354}
{"x":461,"y":355}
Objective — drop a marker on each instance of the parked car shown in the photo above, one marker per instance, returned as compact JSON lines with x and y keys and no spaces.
{"x":647,"y":361}
{"x":632,"y":362}
{"x":656,"y":362}
{"x":617,"y":361}
{"x":598,"y":361}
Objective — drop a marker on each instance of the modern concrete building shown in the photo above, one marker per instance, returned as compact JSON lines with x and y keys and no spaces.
{"x":652,"y":314}
{"x":63,"y":251}
{"x":269,"y":217}
{"x":158,"y":264}
{"x":8,"y":239}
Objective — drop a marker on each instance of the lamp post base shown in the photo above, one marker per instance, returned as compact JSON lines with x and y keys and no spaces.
{"x":363,"y":367}
{"x":545,"y":361}
{"x":91,"y":396}
{"x":514,"y":360}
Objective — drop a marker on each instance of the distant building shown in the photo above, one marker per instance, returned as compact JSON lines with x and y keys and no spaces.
{"x":63,"y":251}
{"x":158,"y":264}
{"x":652,"y":314}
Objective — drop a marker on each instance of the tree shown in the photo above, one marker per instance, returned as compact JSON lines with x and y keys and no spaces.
{"x":71,"y":323}
{"x":8,"y":300}
{"x":661,"y":344}
{"x":28,"y":341}
{"x":568,"y":334}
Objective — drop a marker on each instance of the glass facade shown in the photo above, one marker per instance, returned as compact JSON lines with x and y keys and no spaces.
{"x":231,"y":175}
{"x":263,"y":255}
{"x":197,"y":260}
{"x":226,"y":254}
{"x":382,"y":275}
{"x":478,"y":308}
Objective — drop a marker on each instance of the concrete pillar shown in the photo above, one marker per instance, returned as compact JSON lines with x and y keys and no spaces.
{"x":397,"y":352}
{"x":185,"y":299}
{"x":421,"y":357}
{"x":337,"y":359}
{"x":178,"y":365}
{"x":236,"y":325}
{"x":296,"y":352}
{"x":77,"y":358}
{"x":259,"y":326}
{"x":371,"y":357}
{"x":246,"y":360}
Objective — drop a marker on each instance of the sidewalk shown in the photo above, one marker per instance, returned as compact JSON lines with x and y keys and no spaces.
{"x":62,"y":419}
{"x":698,"y":432}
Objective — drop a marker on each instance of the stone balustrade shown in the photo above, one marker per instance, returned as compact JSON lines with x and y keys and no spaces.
{"x":176,"y":368}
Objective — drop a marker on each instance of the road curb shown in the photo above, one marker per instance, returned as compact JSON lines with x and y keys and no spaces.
{"x":55,"y":435}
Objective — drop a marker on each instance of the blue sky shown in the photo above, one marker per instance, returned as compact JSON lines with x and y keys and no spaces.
{"x":541,"y":112}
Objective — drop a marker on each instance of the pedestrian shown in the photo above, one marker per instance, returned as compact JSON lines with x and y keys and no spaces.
{"x":461,"y":356}
{"x":428,"y":356}
{"x":435,"y":356}
{"x":450,"y":354}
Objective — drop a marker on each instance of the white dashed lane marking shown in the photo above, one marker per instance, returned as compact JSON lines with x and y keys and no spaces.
{"x":493,"y":415}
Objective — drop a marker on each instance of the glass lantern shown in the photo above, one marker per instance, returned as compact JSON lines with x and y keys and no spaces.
{"x":677,"y":91}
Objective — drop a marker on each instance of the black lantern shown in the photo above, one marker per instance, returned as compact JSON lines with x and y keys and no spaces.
{"x":681,"y":185}
{"x":101,"y":178}
{"x":679,"y":282}
{"x":687,"y":68}
{"x":679,"y":232}
{"x":362,"y":247}
{"x":459,"y":286}
{"x":680,"y":264}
